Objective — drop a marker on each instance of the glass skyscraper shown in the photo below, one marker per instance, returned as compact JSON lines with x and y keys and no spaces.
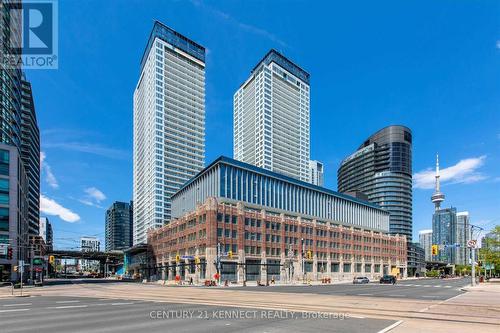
{"x":382,"y":169}
{"x":30,"y":154}
{"x":169,"y":125}
{"x":444,"y":225}
{"x":271,"y":118}
{"x":19,"y":151}
{"x":118,"y":232}
{"x":451,"y":232}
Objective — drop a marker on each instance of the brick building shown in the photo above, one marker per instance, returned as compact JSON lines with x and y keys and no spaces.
{"x":267,"y":243}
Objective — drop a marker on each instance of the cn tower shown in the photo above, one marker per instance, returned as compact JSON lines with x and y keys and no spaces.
{"x":437,"y":197}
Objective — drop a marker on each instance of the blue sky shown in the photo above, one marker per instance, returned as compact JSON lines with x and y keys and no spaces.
{"x":429,"y":65}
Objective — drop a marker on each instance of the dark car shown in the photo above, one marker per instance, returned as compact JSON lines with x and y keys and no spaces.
{"x":388,"y":279}
{"x":360,"y":280}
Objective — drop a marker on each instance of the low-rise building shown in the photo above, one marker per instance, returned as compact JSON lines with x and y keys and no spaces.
{"x":263,"y":225}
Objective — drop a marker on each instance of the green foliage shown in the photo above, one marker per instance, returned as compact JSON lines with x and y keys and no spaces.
{"x":489,"y":252}
{"x":462,"y":269}
{"x":432,"y":273}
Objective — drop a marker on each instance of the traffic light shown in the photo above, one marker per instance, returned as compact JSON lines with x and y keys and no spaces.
{"x":197,"y":260}
{"x":52,"y":259}
{"x":230,"y":254}
{"x":10,"y":253}
{"x":177,"y":258}
{"x":309,"y":254}
{"x":435,"y":250}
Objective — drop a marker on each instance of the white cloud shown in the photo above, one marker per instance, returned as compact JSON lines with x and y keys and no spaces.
{"x":95,"y":194}
{"x":465,"y":171}
{"x":89,"y":203}
{"x":89,"y":148}
{"x":51,"y":207}
{"x":47,"y":171}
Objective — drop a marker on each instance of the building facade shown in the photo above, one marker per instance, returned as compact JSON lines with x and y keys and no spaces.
{"x":47,"y":233}
{"x":230,"y":180}
{"x":316,"y":173}
{"x":258,"y":243}
{"x":444,"y":230}
{"x":89,"y":244}
{"x":462,"y":238}
{"x":30,"y":153}
{"x":14,"y":222}
{"x":270,"y":225}
{"x":425,"y":241}
{"x":19,"y":152}
{"x":169,"y":125}
{"x":416,"y":259}
{"x":271,"y":118}
{"x":382,"y":169}
{"x":119,"y":226}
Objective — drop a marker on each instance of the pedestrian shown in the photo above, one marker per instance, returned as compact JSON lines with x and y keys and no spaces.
{"x":191,"y":281}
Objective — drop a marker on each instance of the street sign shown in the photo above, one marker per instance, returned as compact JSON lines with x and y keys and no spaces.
{"x":187,"y":257}
{"x":3,"y":249}
{"x":472,"y":243}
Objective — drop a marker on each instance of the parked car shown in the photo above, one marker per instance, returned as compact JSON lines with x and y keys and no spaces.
{"x":388,"y":279}
{"x":360,"y":280}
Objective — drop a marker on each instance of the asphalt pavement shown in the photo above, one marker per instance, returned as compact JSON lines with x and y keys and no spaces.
{"x":81,"y":314}
{"x":425,"y":289}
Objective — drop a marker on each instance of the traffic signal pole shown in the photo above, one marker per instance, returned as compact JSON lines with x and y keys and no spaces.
{"x":473,"y":268}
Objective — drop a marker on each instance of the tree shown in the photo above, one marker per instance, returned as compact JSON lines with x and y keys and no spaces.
{"x":490,"y":249}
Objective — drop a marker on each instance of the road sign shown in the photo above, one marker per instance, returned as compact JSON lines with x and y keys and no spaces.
{"x":188,"y":257}
{"x":3,"y":249}
{"x":472,"y":243}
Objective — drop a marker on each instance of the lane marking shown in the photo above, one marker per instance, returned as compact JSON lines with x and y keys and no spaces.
{"x":124,"y":303}
{"x":365,"y":294}
{"x":20,"y":304}
{"x":69,"y":307}
{"x":439,"y":286}
{"x":357,"y":317}
{"x":430,"y":296}
{"x":390,"y":327}
{"x":447,"y":286}
{"x":64,"y":302}
{"x":14,"y":310}
{"x":397,"y":295}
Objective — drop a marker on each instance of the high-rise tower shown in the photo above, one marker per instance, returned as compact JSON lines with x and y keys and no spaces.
{"x":437,"y":197}
{"x":271,"y":118}
{"x":169,"y":125}
{"x":381,"y":168}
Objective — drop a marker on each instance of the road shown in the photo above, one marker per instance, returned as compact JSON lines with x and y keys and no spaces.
{"x":82,"y":314}
{"x":425,"y":289}
{"x":116,"y":306}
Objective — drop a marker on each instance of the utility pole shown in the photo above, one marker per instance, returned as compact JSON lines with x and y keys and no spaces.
{"x":473,"y":244}
{"x":473,"y":268}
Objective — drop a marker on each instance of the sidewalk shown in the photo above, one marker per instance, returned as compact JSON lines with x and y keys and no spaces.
{"x":480,"y":303}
